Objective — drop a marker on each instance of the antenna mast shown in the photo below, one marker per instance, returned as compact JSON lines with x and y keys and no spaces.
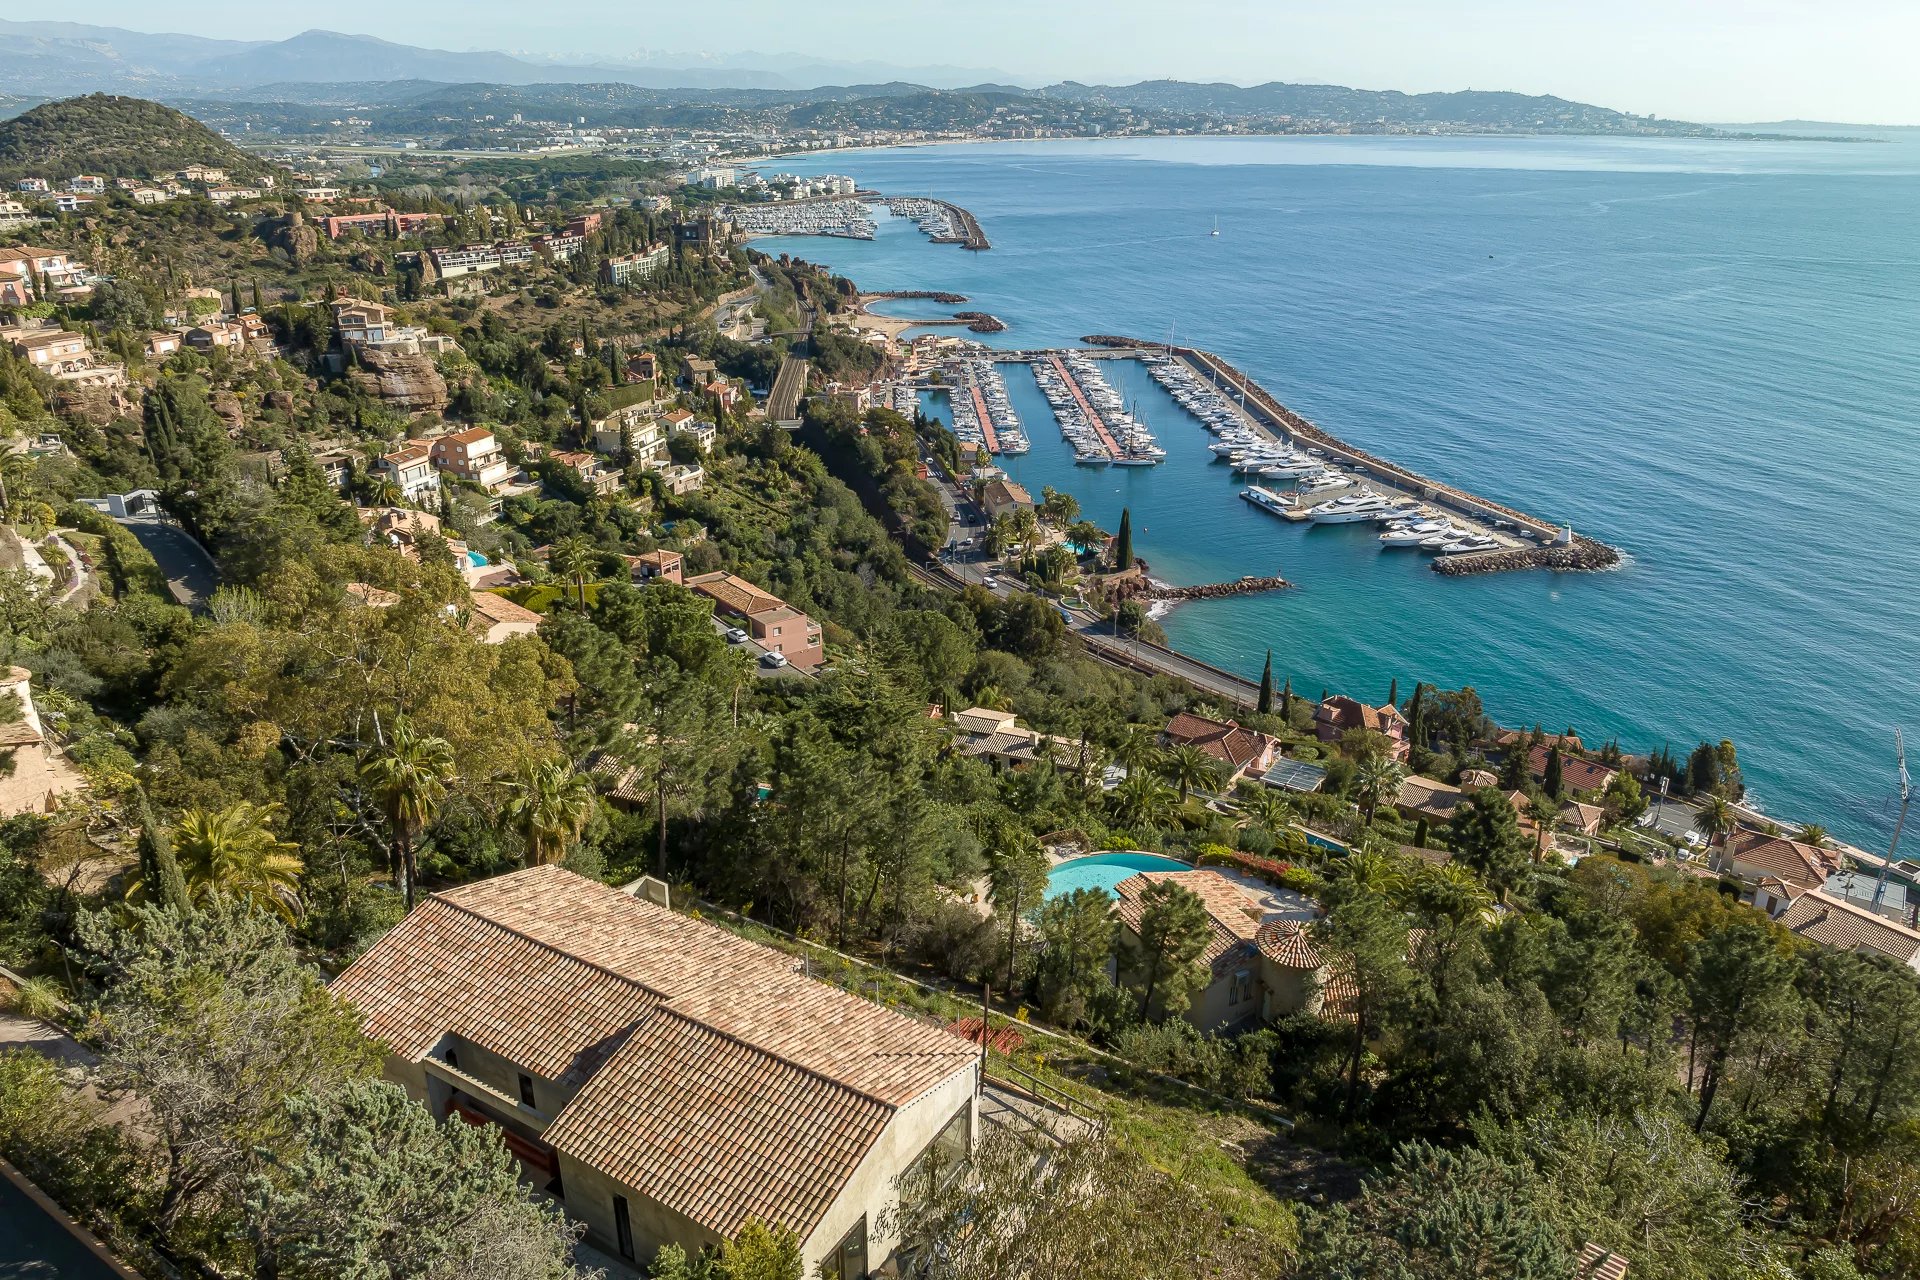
{"x":1906,"y":798}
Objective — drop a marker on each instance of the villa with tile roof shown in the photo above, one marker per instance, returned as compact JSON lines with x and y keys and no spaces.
{"x":774,"y":624}
{"x":666,"y":1079}
{"x":1241,"y":751}
{"x":1339,"y":714}
{"x":1236,"y":991}
{"x":1752,"y":857}
{"x":1841,"y":924}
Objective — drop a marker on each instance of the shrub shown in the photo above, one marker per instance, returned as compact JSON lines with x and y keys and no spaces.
{"x":38,"y":998}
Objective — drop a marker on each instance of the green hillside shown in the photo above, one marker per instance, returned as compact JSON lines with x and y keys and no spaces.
{"x":115,"y":137}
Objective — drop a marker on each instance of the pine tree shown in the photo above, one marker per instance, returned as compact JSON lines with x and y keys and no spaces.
{"x":1265,"y":705}
{"x":1123,"y":542}
{"x":159,"y":870}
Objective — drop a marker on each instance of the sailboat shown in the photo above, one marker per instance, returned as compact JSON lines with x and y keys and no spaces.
{"x":1216,"y":225}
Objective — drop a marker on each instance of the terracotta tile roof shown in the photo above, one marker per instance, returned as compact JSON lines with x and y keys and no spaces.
{"x":1232,"y":915}
{"x":735,"y":593}
{"x":1576,"y":774}
{"x":1429,"y":796}
{"x":497,"y":609}
{"x":1225,"y":740}
{"x":472,"y":435}
{"x":1844,"y":926}
{"x":1285,"y":942}
{"x":1343,"y":712}
{"x":1798,"y":864}
{"x":1599,"y":1264}
{"x":733,"y":1086}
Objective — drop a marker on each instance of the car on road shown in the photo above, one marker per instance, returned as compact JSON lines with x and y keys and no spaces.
{"x":773,"y":661}
{"x":736,"y":636}
{"x":988,"y":581}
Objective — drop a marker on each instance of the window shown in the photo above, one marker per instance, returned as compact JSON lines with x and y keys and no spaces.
{"x":850,"y":1256}
{"x":526,"y":1089}
{"x":623,"y":1227}
{"x":1242,"y":988}
{"x":944,"y":1157}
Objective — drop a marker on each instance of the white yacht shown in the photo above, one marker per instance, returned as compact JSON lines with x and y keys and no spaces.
{"x":1411,"y":535}
{"x":1470,"y":544}
{"x":1348,"y":510}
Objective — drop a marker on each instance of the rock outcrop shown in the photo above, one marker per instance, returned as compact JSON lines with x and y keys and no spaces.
{"x":411,"y":383}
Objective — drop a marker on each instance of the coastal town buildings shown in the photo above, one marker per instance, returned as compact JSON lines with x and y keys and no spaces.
{"x":633,"y":432}
{"x":636,"y":267}
{"x":664,"y":1079}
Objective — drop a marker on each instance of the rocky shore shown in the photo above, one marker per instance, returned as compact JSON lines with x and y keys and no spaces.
{"x":1217,"y":590}
{"x":981,"y":322}
{"x":1582,"y":554}
{"x":920,"y":295}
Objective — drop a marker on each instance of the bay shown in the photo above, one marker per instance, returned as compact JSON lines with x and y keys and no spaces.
{"x":1704,"y":353}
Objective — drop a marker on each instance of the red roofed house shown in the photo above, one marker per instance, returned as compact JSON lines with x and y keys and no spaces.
{"x":472,"y":455}
{"x":774,"y":624}
{"x":1842,"y":925}
{"x":1576,"y":772}
{"x":1340,"y":713}
{"x":649,"y":565}
{"x":1753,"y":856}
{"x":1242,"y":751}
{"x":1233,"y":993}
{"x":496,"y":619}
{"x":664,"y":1078}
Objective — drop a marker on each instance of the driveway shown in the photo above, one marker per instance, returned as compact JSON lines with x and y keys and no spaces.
{"x":191,"y":573}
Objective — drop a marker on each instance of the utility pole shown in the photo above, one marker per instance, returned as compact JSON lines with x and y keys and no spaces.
{"x":1906,"y":797}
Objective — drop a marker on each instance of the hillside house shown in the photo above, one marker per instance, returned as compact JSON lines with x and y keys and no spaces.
{"x":1577,"y":773}
{"x":1238,"y":990}
{"x":774,"y":624}
{"x":1753,"y":857}
{"x":681,"y":479}
{"x":1003,"y":497}
{"x":635,"y":432}
{"x":472,"y":455}
{"x":664,"y":1079}
{"x":1238,"y":751}
{"x":594,"y":472}
{"x":649,"y":566}
{"x":410,"y":467}
{"x":1339,"y":714}
{"x":1841,"y":924}
{"x":496,"y":619}
{"x":360,"y":323}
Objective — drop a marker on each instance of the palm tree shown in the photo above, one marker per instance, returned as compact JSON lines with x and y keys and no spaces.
{"x":1187,"y":767}
{"x":992,"y":697}
{"x":1376,"y":780}
{"x":1716,"y":820}
{"x":1373,"y":871}
{"x":550,"y":805}
{"x":1139,"y":748}
{"x":573,"y":560}
{"x":1142,"y":800}
{"x":1264,"y":808}
{"x":1814,"y":834}
{"x":385,"y":493}
{"x":409,"y":778}
{"x":233,"y":851}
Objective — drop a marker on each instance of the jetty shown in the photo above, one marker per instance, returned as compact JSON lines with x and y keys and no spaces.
{"x":1094,"y":419}
{"x":943,"y":221}
{"x":1554,"y":546}
{"x":1219,"y":590}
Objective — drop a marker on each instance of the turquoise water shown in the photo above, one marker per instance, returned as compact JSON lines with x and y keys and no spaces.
{"x":1707,"y":354}
{"x":1105,"y":871}
{"x":477,"y":560}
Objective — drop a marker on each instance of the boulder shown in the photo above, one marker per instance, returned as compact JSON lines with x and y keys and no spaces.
{"x":407,"y":382}
{"x":231,"y":411}
{"x":96,"y":404}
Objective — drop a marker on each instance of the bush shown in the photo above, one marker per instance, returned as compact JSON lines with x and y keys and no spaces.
{"x":38,"y":998}
{"x":1240,"y":1067}
{"x":958,"y":941}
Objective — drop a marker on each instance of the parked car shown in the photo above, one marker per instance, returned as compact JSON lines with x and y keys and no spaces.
{"x":736,"y":636}
{"x":773,"y":661}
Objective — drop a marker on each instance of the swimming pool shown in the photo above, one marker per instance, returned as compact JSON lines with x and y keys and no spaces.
{"x":477,"y":560}
{"x":1105,"y":871}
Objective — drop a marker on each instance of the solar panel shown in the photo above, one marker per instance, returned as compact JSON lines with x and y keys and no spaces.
{"x":1295,"y":775}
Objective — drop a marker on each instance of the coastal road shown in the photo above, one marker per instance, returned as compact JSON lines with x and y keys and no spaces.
{"x":191,"y":573}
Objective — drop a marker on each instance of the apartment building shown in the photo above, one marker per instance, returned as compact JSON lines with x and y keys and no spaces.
{"x":666,"y":1080}
{"x":635,"y":432}
{"x":633,"y":268}
{"x":472,"y":455}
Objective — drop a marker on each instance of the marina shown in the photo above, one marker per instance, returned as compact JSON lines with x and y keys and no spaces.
{"x":982,"y":410}
{"x":1290,"y":468}
{"x":840,"y":219}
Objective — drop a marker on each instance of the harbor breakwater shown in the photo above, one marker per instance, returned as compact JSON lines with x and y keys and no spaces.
{"x":1558,"y":547}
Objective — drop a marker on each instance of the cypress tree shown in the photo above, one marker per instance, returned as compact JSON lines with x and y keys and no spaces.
{"x":1420,"y":833}
{"x":1286,"y":701}
{"x":1265,"y":705}
{"x":1393,"y":693}
{"x":159,"y":870}
{"x":1552,"y":779}
{"x":256,"y":295}
{"x":1123,"y":542}
{"x":1417,"y":717}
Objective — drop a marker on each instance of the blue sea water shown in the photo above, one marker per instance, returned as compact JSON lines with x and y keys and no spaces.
{"x":1705,"y":353}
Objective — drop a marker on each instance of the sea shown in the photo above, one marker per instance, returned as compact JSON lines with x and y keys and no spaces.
{"x":1705,"y":353}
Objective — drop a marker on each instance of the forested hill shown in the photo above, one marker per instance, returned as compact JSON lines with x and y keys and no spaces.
{"x":1471,"y":107}
{"x":114,"y":137}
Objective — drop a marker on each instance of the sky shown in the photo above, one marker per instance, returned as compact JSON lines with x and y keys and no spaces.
{"x":1706,"y":60}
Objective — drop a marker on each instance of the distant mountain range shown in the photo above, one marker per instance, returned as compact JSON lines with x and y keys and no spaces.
{"x":288,"y":85}
{"x":57,"y":59}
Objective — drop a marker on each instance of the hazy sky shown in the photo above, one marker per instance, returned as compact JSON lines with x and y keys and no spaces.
{"x":1713,"y":60}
